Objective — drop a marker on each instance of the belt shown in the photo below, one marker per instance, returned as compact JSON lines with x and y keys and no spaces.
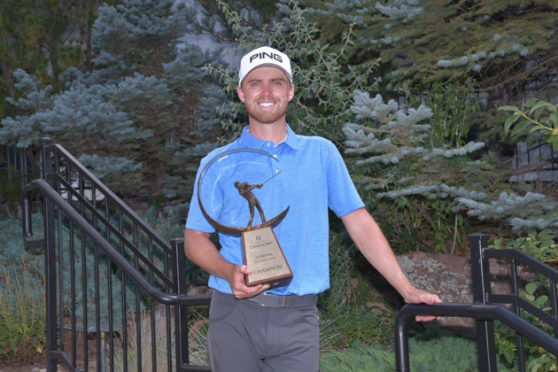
{"x":272,"y":300}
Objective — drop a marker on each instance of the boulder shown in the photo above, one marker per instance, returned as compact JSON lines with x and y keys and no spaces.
{"x":449,"y":276}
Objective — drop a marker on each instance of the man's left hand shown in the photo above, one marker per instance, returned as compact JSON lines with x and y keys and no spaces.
{"x":418,"y":296}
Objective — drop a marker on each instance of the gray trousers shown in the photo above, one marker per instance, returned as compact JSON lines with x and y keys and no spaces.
{"x":247,"y":336}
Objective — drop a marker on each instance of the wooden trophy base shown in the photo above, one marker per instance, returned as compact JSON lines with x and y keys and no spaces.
{"x":265,"y":257}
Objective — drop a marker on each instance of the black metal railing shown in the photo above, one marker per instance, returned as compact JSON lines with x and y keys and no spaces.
{"x":510,"y":309}
{"x":15,"y":171}
{"x":116,"y":290}
{"x":18,"y":163}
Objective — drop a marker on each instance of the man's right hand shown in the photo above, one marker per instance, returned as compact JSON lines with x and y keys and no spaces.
{"x":238,"y":283}
{"x":201,"y":250}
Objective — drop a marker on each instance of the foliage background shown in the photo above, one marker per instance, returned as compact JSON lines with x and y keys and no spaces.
{"x":135,"y":101}
{"x":117,"y":85}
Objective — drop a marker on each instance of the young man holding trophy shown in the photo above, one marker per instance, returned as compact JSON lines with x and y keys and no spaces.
{"x":267,"y":274}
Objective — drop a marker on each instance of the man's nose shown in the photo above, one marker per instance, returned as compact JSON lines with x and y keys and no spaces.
{"x":266,"y":89}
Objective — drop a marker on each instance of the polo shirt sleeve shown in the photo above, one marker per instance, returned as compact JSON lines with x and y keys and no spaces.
{"x":343,"y":197}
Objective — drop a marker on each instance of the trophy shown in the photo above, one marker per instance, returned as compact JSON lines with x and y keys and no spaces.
{"x":230,"y":181}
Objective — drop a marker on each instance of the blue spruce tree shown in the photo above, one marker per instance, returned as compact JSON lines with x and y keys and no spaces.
{"x":393,"y":155}
{"x":141,"y":116}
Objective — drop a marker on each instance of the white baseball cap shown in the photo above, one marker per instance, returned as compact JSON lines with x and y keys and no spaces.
{"x":264,"y":56}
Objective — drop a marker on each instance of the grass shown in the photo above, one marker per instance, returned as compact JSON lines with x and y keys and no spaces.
{"x":22,"y":297}
{"x":22,"y":317}
{"x":434,"y":351}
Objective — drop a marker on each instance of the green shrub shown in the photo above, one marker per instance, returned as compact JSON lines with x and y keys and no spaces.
{"x":534,"y":116}
{"x":542,"y":246}
{"x":352,"y":310}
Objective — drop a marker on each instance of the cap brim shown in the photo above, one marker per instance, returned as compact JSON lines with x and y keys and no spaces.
{"x":267,"y":65}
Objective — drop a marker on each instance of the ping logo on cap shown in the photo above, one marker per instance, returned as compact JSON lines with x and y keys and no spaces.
{"x":263,"y":55}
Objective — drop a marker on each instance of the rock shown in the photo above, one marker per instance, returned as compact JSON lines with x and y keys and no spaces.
{"x":446,"y":275}
{"x":449,"y":276}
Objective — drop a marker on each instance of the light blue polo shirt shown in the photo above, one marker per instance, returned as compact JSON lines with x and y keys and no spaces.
{"x":312,"y":178}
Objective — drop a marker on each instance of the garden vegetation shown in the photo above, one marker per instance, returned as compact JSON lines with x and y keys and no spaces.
{"x":408,"y":90}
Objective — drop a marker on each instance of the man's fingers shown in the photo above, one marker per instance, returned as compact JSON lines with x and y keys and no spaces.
{"x":426,"y":318}
{"x":244,"y":269}
{"x":239,"y":287}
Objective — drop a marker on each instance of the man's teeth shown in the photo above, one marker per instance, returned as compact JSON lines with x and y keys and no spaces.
{"x":266,"y":104}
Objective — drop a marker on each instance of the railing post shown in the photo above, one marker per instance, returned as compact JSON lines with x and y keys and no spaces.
{"x":181,"y":312}
{"x":27,"y":221}
{"x":402,"y":342}
{"x":480,"y":274}
{"x":50,"y":260}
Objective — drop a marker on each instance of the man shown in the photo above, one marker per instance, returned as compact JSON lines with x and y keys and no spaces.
{"x":260,"y":329}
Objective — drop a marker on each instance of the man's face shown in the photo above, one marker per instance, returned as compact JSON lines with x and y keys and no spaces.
{"x":266,"y":92}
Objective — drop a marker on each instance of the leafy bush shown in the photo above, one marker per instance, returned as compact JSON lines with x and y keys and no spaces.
{"x":542,"y":246}
{"x":534,"y":116}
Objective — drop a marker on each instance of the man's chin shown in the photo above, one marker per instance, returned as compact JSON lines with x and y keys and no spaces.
{"x":267,"y":119}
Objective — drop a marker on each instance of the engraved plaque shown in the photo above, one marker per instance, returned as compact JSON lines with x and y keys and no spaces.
{"x":265,"y":257}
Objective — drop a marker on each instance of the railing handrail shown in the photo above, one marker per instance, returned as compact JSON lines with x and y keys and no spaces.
{"x":110,"y":194}
{"x":524,"y":259}
{"x":156,"y":294}
{"x":476,"y":311}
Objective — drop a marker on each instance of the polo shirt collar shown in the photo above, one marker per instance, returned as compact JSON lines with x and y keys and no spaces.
{"x":249,"y":141}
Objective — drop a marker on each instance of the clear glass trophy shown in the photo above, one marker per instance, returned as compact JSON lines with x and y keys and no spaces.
{"x":241,"y":192}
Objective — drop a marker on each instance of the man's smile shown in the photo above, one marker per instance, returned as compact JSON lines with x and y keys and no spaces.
{"x":266,"y":104}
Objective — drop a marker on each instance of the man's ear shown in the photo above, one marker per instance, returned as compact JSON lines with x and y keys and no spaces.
{"x":240,"y":93}
{"x":291,"y":92}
